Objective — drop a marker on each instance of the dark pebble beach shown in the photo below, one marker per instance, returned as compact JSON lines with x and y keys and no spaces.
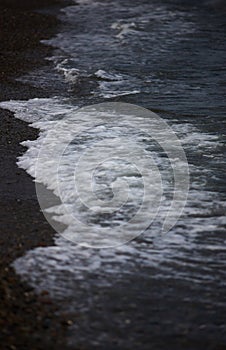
{"x":27,"y":321}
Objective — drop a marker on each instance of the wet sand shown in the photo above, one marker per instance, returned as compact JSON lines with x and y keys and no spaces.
{"x":26,"y":321}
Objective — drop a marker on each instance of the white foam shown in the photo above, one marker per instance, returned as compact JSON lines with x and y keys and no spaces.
{"x":71,"y":75}
{"x":43,"y":267}
{"x":100,"y":73}
{"x":124,"y":29}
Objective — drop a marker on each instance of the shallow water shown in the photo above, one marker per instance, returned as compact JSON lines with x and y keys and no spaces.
{"x":167,"y":56}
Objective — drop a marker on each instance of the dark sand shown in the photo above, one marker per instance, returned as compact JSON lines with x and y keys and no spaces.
{"x":26,"y":321}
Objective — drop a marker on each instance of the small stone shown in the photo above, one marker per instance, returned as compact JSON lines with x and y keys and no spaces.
{"x":127,"y":321}
{"x":69,"y":322}
{"x":12,"y":347}
{"x":202,"y":326}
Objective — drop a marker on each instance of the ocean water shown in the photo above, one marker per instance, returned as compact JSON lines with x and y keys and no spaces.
{"x":166,"y":56}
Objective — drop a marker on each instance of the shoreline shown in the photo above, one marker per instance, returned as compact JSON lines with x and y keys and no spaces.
{"x":26,"y":319}
{"x":145,"y":310}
